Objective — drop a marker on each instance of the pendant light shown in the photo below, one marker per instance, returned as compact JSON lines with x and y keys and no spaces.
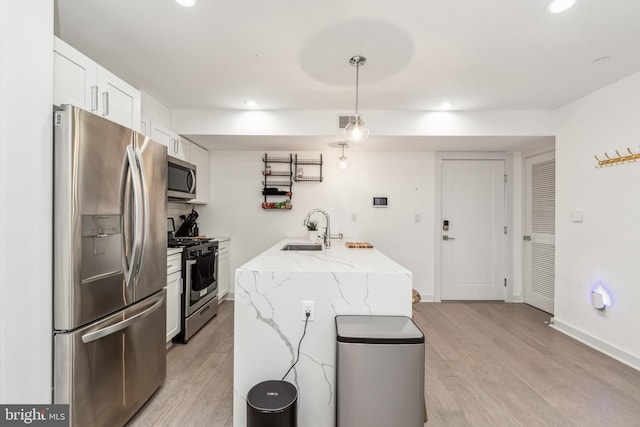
{"x":342,"y":160}
{"x":356,"y":131}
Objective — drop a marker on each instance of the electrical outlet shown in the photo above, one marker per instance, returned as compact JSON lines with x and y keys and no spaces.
{"x":307,"y":307}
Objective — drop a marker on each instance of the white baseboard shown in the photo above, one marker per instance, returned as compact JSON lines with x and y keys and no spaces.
{"x":611,"y":351}
{"x":427,"y":298}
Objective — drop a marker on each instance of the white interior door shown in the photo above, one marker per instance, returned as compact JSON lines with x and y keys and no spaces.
{"x":539,"y":239}
{"x":473,"y":230}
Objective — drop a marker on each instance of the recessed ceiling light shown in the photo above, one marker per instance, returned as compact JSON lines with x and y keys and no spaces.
{"x":446,"y":106}
{"x":186,"y":3}
{"x":251,"y":103}
{"x":559,"y":6}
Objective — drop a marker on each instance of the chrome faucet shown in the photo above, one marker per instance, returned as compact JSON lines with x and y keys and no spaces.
{"x":327,"y":233}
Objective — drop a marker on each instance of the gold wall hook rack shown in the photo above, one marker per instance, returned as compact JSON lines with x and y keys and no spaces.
{"x":617,"y":159}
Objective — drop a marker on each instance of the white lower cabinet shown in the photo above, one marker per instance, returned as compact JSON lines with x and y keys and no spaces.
{"x":223,"y":269}
{"x":174,"y":294}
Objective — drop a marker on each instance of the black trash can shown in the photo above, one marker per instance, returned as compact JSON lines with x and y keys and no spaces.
{"x":272,"y":404}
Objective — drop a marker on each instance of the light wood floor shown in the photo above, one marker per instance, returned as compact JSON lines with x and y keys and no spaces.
{"x":487,"y":364}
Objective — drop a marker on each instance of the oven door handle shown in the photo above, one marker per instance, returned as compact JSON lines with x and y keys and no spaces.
{"x":188,"y":264}
{"x":187,"y":283}
{"x":101,"y":333}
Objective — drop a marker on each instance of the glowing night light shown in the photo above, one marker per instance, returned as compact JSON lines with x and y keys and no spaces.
{"x":600,"y":297}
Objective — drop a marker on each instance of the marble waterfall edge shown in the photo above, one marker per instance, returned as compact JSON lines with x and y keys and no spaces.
{"x":269,"y":319}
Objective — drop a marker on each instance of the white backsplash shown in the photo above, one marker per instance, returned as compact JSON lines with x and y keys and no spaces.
{"x":175,"y":209}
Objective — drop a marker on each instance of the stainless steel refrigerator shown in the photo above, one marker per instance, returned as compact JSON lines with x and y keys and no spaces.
{"x":110,"y":254}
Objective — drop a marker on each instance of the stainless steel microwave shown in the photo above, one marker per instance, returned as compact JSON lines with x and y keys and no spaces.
{"x":181,"y":179}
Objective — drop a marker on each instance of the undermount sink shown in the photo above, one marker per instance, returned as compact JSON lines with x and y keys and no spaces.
{"x":301,"y":247}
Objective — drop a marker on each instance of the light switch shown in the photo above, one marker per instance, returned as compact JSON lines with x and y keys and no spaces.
{"x":576,"y":215}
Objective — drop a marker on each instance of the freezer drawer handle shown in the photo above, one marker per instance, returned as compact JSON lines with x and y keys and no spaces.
{"x":101,"y":333}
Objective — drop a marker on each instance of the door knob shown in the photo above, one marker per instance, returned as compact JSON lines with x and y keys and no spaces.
{"x":445,"y":237}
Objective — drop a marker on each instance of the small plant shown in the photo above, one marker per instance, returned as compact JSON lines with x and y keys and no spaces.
{"x":312,"y":225}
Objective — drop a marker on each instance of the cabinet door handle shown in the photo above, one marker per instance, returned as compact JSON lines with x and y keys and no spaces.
{"x":105,"y":103}
{"x":94,"y":98}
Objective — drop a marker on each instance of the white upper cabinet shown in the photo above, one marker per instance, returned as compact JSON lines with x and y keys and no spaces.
{"x":75,"y":77}
{"x":200,"y":158}
{"x":182,"y":149}
{"x":81,"y":82}
{"x":162,"y":135}
{"x":177,"y":146}
{"x":118,"y":100}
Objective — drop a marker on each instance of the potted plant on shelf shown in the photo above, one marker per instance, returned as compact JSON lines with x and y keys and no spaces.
{"x":312,"y":227}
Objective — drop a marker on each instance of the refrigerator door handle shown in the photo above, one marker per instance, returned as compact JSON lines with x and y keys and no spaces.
{"x":112,"y":329}
{"x":144,"y":195}
{"x":129,"y":170}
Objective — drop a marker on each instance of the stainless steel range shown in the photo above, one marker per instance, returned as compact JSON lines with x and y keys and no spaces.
{"x":200,"y":284}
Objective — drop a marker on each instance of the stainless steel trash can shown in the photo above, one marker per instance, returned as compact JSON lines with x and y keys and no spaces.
{"x":272,"y":404}
{"x":379,"y":372}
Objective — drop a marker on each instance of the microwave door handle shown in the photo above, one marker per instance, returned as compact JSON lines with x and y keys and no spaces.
{"x":192,"y":175}
{"x":112,"y":329}
{"x":144,"y":195}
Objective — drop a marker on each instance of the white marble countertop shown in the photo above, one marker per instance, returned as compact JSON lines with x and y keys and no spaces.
{"x":337,"y":259}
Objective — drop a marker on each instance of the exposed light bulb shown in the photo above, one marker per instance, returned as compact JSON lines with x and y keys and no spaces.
{"x":356,"y":132}
{"x":251,"y":103}
{"x":343,"y":164}
{"x":186,"y":3}
{"x":446,"y":106}
{"x":559,"y":6}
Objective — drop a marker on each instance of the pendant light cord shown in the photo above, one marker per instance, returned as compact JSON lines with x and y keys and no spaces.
{"x":357,"y":81}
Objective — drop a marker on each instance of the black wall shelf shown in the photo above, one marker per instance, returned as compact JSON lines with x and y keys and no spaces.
{"x":277,"y":182}
{"x":303,"y":176}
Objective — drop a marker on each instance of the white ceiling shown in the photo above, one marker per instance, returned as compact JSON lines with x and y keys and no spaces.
{"x":293,"y":55}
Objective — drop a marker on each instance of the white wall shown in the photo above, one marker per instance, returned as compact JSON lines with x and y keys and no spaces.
{"x":26,"y":99}
{"x":406,"y":178}
{"x":154,"y":110}
{"x":606,"y":245}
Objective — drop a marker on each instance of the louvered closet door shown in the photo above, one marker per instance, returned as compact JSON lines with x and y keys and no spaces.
{"x":539,"y":240}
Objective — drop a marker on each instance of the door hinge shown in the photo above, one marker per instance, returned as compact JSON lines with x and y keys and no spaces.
{"x":505,"y":282}
{"x":505,"y":177}
{"x":505,"y":229}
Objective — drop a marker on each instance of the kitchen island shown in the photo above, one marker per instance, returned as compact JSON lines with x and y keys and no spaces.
{"x":269,"y":318}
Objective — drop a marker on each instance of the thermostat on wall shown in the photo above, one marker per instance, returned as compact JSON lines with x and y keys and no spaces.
{"x":380,"y":202}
